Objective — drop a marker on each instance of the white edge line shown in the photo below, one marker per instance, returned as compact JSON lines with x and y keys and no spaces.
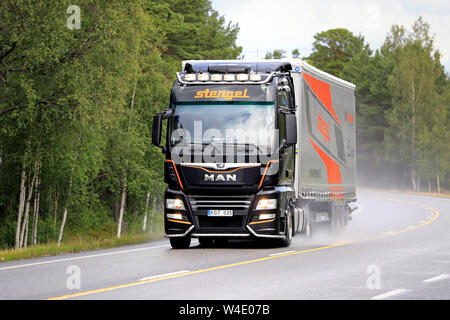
{"x":389,"y":294}
{"x":163,"y":275}
{"x":280,"y":253}
{"x":437,"y":278}
{"x":82,"y":257}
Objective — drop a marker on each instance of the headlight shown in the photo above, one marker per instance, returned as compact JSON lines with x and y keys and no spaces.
{"x":175,"y":204}
{"x":266,"y":204}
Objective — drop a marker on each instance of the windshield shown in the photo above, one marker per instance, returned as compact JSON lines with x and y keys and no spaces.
{"x":237,"y":123}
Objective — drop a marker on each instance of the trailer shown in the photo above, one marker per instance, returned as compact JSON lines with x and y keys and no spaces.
{"x":257,"y":149}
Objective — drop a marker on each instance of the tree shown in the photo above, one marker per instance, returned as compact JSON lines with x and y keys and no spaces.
{"x":335,"y":48}
{"x":417,"y":119}
{"x":275,"y":54}
{"x":76,"y":108}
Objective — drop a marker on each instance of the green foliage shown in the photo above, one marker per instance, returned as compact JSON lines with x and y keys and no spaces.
{"x":335,"y":48}
{"x":402,"y":111}
{"x":80,"y":104}
{"x":275,"y":54}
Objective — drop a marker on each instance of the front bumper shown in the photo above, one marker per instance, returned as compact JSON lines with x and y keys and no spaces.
{"x":243,"y":224}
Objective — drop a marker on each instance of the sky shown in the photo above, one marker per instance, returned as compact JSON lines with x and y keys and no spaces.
{"x":266,"y":25}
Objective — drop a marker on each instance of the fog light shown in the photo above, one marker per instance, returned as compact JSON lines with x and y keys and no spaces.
{"x":175,"y":216}
{"x":266,"y":216}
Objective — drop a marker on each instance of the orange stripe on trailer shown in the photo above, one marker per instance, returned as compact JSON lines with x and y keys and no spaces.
{"x":333,"y":170}
{"x":323,"y":92}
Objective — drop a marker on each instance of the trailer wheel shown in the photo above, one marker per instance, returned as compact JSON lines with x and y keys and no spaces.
{"x":334,"y":221}
{"x":338,"y":219}
{"x":180,"y":243}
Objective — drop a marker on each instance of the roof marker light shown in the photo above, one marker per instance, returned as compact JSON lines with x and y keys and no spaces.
{"x":216,"y":77}
{"x":255,"y":77}
{"x":242,"y":77}
{"x":203,"y":77}
{"x":190,"y":77}
{"x":229,"y":77}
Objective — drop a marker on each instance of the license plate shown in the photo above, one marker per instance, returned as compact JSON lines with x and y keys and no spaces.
{"x":220,"y":213}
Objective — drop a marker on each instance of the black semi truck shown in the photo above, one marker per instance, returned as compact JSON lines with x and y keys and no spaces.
{"x":261,"y":150}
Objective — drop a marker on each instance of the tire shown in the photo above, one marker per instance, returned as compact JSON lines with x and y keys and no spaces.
{"x":180,"y":243}
{"x":288,"y":232}
{"x":310,"y":223}
{"x":338,"y":219}
{"x":333,"y":224}
{"x":206,"y":242}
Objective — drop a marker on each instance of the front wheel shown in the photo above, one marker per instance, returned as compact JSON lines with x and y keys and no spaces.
{"x":180,"y":243}
{"x":286,"y":242}
{"x":309,"y":222}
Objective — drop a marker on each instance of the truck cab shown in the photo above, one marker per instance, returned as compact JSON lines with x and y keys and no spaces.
{"x":231,"y":144}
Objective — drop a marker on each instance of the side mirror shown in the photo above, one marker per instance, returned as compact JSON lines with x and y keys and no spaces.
{"x":291,"y":129}
{"x":156,"y":129}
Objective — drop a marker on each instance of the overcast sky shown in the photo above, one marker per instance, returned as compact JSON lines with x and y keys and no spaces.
{"x":287,"y":24}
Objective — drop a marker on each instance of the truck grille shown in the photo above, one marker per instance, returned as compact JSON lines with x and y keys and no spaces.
{"x":220,"y":202}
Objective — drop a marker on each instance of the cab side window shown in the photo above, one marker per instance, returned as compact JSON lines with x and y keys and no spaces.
{"x":282,"y":103}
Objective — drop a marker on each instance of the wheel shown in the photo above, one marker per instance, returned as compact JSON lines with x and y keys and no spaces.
{"x":310,"y":223}
{"x":286,"y":242}
{"x":206,"y":242}
{"x":180,"y":243}
{"x":333,"y":224}
{"x":338,"y":219}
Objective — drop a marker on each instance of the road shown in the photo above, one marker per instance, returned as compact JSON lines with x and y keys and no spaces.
{"x":396,"y":247}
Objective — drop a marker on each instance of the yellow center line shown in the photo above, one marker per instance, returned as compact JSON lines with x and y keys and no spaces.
{"x":342,"y":243}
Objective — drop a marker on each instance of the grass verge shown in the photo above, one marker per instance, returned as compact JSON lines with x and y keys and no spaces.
{"x":74,"y":245}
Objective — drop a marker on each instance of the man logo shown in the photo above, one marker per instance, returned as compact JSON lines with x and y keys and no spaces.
{"x":220,"y":177}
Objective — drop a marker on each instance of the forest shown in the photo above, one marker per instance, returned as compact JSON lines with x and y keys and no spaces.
{"x":77,"y":98}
